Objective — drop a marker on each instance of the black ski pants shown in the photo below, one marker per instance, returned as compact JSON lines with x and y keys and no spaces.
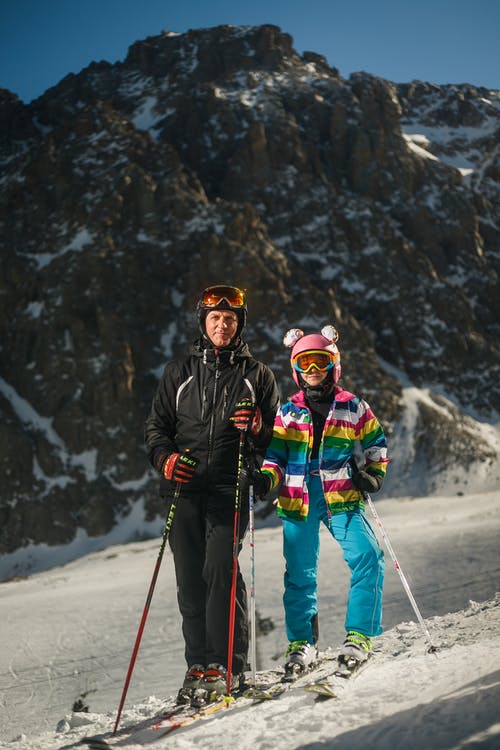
{"x":201,"y":540}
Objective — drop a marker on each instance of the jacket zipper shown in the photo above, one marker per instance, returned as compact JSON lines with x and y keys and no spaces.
{"x":204,"y":403}
{"x":224,"y":405}
{"x":320,"y":456}
{"x":212,"y":415}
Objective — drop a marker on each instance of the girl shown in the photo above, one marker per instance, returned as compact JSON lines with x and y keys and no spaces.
{"x":311,"y":459}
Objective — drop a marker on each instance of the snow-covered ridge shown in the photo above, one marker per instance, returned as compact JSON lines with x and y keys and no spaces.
{"x":454,"y":124}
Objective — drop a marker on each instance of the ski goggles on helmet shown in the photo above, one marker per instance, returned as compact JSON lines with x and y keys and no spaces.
{"x":319,"y":360}
{"x":214,"y":295}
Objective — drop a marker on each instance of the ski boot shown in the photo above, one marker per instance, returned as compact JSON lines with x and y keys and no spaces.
{"x":355,"y":650}
{"x":300,"y":656}
{"x":213,"y":685}
{"x":191,"y":682}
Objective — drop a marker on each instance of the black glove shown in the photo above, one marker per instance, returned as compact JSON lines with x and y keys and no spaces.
{"x":180,"y":467}
{"x":261,"y":482}
{"x":247,"y":417}
{"x":366,"y":481}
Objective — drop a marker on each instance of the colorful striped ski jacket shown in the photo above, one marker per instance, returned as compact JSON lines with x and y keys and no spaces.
{"x":349,"y":420}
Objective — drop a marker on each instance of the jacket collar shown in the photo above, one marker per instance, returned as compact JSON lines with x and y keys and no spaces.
{"x":339,"y":394}
{"x":228,"y":355}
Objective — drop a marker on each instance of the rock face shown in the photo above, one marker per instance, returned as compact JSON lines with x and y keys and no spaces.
{"x":223,"y":155}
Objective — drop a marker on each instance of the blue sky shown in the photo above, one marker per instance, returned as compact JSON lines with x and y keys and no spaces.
{"x":439,"y":41}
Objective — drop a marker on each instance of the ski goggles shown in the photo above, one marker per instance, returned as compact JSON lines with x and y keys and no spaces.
{"x":214,"y":295}
{"x":319,"y":360}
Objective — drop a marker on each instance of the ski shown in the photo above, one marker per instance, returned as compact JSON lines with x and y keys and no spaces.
{"x":286,"y":680}
{"x":244,"y":698}
{"x":332,"y":685}
{"x":172,"y":717}
{"x":144,"y":728}
{"x":225,"y":702}
{"x":273,"y":689}
{"x":270,"y":685}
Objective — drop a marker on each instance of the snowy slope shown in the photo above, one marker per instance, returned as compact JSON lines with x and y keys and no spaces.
{"x":70,"y":632}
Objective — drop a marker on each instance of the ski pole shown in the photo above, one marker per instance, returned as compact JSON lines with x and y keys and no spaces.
{"x":236,"y":539}
{"x":166,"y":532}
{"x":432,"y":648}
{"x":252,"y":585}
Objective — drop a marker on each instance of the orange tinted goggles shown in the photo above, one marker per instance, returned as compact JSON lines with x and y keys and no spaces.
{"x":213,"y":296}
{"x":318,"y":360}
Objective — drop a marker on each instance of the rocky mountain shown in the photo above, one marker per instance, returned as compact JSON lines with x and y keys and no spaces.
{"x":223,"y":155}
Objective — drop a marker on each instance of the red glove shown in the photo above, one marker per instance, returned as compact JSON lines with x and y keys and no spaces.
{"x":247,"y":417}
{"x":180,"y":467}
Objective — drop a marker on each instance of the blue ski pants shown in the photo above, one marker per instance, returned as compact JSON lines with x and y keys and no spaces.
{"x":361,"y":552}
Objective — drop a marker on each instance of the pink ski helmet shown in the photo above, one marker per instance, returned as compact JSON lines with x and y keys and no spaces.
{"x":324,"y":341}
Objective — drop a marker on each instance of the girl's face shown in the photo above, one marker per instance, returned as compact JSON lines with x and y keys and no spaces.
{"x":313,"y":377}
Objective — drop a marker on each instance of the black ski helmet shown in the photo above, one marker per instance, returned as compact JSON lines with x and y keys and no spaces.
{"x":222,"y":297}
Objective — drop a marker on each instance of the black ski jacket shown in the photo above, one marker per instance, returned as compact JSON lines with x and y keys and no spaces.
{"x":191,"y":410}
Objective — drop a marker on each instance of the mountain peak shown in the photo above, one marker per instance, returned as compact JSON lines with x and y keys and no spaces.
{"x":213,"y":52}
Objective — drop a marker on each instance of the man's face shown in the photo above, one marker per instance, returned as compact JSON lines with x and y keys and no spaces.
{"x":221,"y":326}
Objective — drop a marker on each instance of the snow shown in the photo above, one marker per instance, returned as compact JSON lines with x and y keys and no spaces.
{"x":413,"y":144}
{"x":68,"y":634}
{"x":457,"y":146}
{"x":29,"y":416}
{"x":34,"y":309}
{"x":82,"y":239}
{"x":144,"y":118}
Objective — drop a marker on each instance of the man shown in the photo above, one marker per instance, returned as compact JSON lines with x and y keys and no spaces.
{"x":203,"y":403}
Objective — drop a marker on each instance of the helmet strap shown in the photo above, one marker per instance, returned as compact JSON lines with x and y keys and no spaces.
{"x":319,"y":392}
